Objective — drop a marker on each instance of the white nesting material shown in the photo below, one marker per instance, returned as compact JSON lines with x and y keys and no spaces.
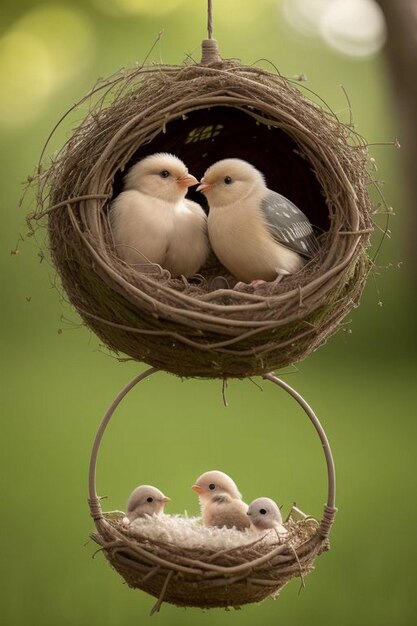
{"x":188,"y":532}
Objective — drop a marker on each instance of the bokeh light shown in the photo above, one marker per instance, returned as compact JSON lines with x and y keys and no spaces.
{"x":26,"y":76}
{"x":356,"y":27}
{"x":352,"y":27}
{"x":39,"y":54}
{"x":68,"y":35}
{"x":305,"y":15}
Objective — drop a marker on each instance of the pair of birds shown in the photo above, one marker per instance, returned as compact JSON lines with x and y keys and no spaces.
{"x":220,"y":501}
{"x":256,"y":233}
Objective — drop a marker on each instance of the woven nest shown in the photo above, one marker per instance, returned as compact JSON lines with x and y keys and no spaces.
{"x":207,"y":578}
{"x":202,"y":113}
{"x":176,"y":571}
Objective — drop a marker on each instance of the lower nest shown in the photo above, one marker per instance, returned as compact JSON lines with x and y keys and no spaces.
{"x":208,"y":578}
{"x":201,"y":113}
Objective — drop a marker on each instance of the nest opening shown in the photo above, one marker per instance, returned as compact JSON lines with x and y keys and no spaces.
{"x":205,"y":136}
{"x":203,"y":113}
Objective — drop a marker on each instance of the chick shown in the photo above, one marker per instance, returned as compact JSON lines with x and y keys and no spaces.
{"x":145,"y":500}
{"x":264,"y":514}
{"x":153,"y":222}
{"x":256,"y":233}
{"x":220,"y":501}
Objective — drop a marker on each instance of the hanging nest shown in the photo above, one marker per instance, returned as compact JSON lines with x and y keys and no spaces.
{"x":207,"y":578}
{"x":170,"y":568}
{"x":203,"y":113}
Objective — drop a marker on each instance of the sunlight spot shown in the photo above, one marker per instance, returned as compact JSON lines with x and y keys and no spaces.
{"x":40,"y":53}
{"x":26,"y":76}
{"x":305,"y":15}
{"x":68,"y":35}
{"x":354,"y":27}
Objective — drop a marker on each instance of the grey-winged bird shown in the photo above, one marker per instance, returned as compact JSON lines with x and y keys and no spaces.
{"x":153,"y":222}
{"x":145,"y":500}
{"x":220,"y":501}
{"x":264,"y":514}
{"x":256,"y":233}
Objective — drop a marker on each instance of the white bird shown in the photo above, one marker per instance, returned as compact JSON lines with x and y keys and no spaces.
{"x":145,"y":500}
{"x":256,"y":233}
{"x":264,"y":514}
{"x":153,"y":222}
{"x":220,"y":501}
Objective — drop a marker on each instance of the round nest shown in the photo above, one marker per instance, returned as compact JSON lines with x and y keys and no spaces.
{"x":207,"y":578}
{"x":202,"y":113}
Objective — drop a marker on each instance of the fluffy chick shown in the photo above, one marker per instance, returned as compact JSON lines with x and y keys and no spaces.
{"x":264,"y":514}
{"x":256,"y":233}
{"x":220,"y":501}
{"x":153,"y":222}
{"x":145,"y":500}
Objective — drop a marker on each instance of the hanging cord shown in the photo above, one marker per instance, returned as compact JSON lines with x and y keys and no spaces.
{"x":210,"y":48}
{"x":210,"y":19}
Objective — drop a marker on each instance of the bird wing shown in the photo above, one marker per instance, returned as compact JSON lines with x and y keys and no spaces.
{"x":287,"y":224}
{"x":221,"y":499}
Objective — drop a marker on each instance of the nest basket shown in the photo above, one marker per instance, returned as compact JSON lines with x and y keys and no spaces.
{"x":203,"y":112}
{"x":202,"y":577}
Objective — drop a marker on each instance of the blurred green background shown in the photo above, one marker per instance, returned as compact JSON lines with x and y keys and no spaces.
{"x":58,"y":380}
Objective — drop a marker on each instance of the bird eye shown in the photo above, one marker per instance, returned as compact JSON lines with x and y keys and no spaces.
{"x":164,"y":174}
{"x":212,"y":486}
{"x":228,"y":180}
{"x":149,"y":499}
{"x":262,"y":511}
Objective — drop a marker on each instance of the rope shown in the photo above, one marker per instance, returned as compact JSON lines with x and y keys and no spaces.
{"x":210,"y":48}
{"x":210,"y":19}
{"x":95,"y":509}
{"x":327,"y":521}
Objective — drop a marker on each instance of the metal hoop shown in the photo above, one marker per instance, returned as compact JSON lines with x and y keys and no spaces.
{"x":330,"y":509}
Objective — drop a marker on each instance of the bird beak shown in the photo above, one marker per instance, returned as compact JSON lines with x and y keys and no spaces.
{"x":197,"y":488}
{"x":187,"y":181}
{"x":165,"y":500}
{"x":203,"y":186}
